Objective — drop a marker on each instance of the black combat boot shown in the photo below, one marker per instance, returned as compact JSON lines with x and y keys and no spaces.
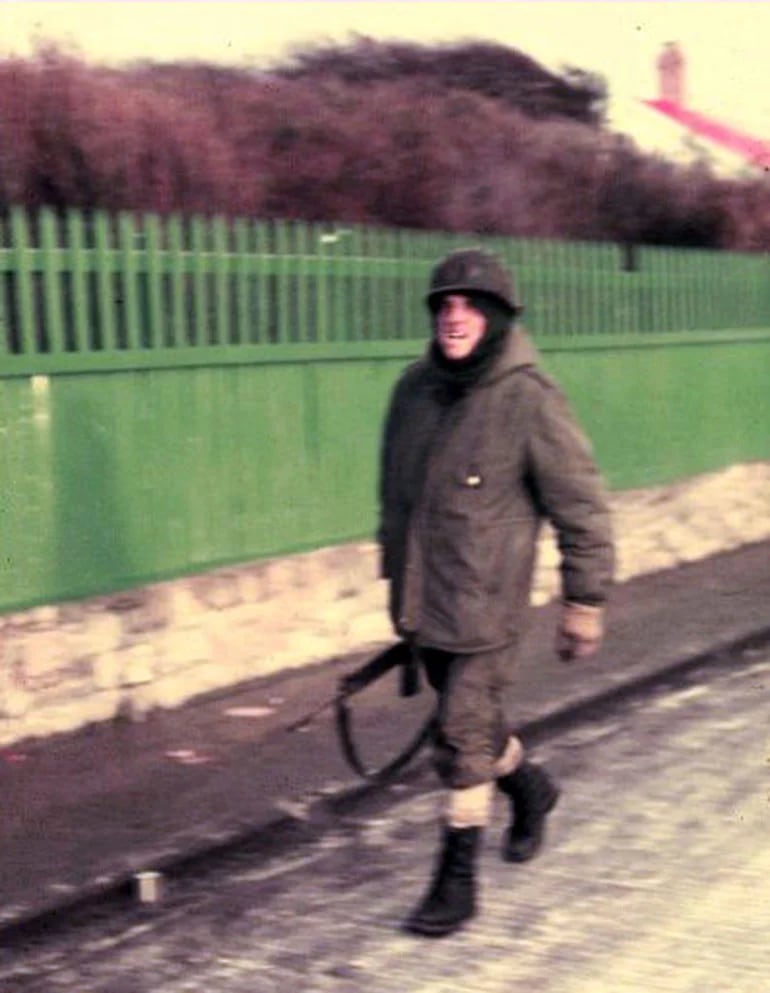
{"x":451,"y":898}
{"x":533,"y":795}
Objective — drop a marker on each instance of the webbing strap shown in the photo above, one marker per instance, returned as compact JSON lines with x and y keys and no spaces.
{"x":344,"y":724}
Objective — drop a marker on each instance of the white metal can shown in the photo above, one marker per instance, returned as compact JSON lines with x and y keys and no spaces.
{"x":149,"y":886}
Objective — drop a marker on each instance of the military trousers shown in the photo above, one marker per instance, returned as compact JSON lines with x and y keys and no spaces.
{"x":472,"y":731}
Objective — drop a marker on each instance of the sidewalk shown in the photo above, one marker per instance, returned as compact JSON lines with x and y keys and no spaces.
{"x":83,"y":812}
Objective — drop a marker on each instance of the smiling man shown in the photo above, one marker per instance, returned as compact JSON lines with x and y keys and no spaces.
{"x":479,"y":448}
{"x":460,"y":326}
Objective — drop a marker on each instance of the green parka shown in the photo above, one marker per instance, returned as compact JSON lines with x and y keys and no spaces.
{"x":464,"y":488}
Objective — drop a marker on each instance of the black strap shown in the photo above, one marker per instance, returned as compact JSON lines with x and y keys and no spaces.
{"x":344,"y":723}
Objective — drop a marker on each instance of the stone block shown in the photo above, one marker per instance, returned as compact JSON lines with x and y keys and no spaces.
{"x":276,"y":662}
{"x":249,"y":615}
{"x":255,"y":643}
{"x":284,"y":613}
{"x":358,"y":567}
{"x":103,"y":632}
{"x":252,"y":582}
{"x":182,"y":648}
{"x":39,"y":618}
{"x":137,"y":665}
{"x":217,"y":590}
{"x":148,"y":613}
{"x":310,"y":569}
{"x":331,"y":560}
{"x":655,"y":560}
{"x":13,"y":660}
{"x":107,"y":670}
{"x":372,"y":627}
{"x":74,"y":613}
{"x":374,"y":596}
{"x":184,"y":607}
{"x":73,"y":680}
{"x":308,"y":647}
{"x":126,"y":600}
{"x":218,"y":631}
{"x":15,"y":701}
{"x":45,"y":650}
{"x":326,"y":592}
{"x":698,"y":544}
{"x":331,"y":616}
{"x":280,"y":577}
{"x":68,"y":715}
{"x":175,"y":689}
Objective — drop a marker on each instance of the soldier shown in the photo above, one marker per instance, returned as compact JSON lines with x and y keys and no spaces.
{"x":479,"y":447}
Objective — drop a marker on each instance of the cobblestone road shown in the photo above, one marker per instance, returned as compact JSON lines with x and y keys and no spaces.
{"x":654,"y":880}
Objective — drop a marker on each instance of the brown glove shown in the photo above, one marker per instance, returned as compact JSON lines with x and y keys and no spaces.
{"x":580,"y":631}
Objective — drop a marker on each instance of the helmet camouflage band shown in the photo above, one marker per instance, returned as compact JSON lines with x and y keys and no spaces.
{"x":473,"y":270}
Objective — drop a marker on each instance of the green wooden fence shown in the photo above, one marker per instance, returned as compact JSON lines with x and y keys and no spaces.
{"x":86,"y":284}
{"x":177,"y":395}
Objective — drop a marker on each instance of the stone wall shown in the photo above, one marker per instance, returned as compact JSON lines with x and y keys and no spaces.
{"x":67,"y":665}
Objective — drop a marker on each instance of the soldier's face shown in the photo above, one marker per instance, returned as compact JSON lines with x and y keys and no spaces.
{"x":459,"y":326}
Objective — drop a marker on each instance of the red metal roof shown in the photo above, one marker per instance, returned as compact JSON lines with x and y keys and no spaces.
{"x":753,"y":150}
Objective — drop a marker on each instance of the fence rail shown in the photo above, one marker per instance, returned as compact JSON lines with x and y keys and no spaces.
{"x":77,"y":283}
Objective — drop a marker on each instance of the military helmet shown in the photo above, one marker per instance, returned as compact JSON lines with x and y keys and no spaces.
{"x":473,"y":270}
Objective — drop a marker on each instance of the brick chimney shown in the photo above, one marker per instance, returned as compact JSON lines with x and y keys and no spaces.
{"x":671,"y":68}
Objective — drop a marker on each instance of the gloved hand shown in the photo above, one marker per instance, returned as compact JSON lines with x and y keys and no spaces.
{"x":580,"y":631}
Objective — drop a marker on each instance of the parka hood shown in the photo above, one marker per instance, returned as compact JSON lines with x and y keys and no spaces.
{"x":518,"y":352}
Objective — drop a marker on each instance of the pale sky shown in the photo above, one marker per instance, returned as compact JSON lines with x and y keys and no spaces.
{"x":725,"y":41}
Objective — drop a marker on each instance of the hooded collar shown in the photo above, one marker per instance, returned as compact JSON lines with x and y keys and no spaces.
{"x":517,"y":351}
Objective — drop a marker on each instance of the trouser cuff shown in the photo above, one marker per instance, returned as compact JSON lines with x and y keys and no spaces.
{"x":512,"y":757}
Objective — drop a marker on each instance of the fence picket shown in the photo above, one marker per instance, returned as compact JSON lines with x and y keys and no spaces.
{"x":105,"y":287}
{"x":321,"y":239}
{"x":303,"y":310}
{"x":198,"y":232}
{"x":129,"y":278}
{"x":357,"y":293}
{"x":154,"y":275}
{"x":178,"y":280}
{"x":25,"y":296}
{"x":5,"y":278}
{"x":261,"y":331}
{"x":242,"y":275}
{"x":52,"y":330}
{"x":280,"y":258}
{"x":80,"y":314}
{"x":222,"y":299}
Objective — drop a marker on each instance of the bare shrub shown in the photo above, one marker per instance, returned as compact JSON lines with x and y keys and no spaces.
{"x":402,"y":135}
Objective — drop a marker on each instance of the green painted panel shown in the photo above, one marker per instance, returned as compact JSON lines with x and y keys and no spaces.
{"x":113,"y":479}
{"x":27,"y":522}
{"x":351,"y":403}
{"x":660,"y":413}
